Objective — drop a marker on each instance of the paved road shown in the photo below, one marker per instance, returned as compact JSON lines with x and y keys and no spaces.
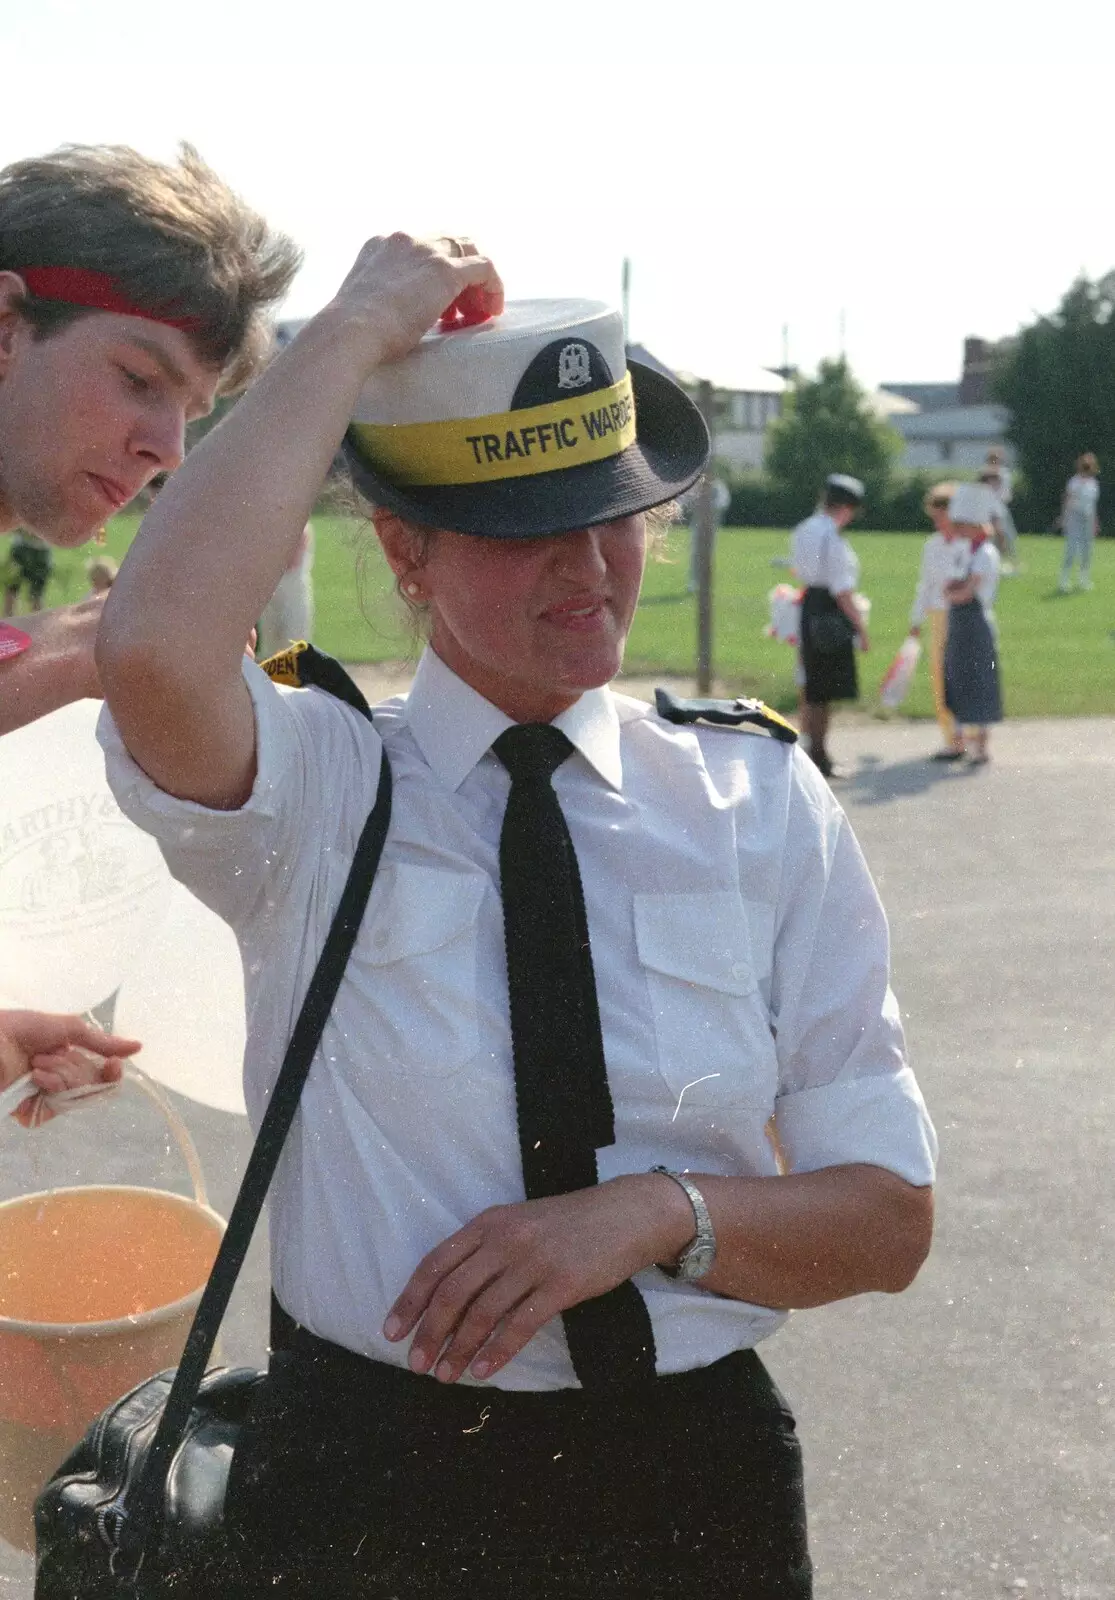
{"x":958,"y":1438}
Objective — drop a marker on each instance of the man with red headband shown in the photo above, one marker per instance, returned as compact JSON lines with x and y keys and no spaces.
{"x":132,"y":294}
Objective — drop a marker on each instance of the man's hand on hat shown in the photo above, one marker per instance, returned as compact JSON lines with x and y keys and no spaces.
{"x":399,"y":286}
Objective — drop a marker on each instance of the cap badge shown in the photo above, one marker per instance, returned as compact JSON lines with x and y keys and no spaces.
{"x":574,"y":367}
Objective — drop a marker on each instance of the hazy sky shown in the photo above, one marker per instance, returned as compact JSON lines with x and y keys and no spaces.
{"x":921,"y":170}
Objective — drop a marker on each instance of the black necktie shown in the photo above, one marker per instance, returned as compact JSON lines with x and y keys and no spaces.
{"x":561,"y":1080}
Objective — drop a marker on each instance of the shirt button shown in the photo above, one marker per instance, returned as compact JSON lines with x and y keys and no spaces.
{"x":380,"y":939}
{"x":739,"y":970}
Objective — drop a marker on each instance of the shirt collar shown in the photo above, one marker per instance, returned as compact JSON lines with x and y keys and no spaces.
{"x":454,"y":726}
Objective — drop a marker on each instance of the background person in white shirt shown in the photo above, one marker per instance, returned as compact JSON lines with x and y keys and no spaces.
{"x":990,"y":479}
{"x":424,"y":1432}
{"x":938,"y":565}
{"x":972,"y":679}
{"x":1079,"y":521}
{"x":831,"y":624}
{"x":996,"y":462}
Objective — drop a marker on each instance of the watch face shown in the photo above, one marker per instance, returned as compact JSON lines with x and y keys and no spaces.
{"x":697,"y":1262}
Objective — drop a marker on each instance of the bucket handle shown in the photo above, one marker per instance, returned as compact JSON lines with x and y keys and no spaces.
{"x":69,"y":1099}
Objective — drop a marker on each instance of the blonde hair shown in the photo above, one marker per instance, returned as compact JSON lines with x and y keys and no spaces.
{"x":939,"y":496}
{"x":173,"y":236}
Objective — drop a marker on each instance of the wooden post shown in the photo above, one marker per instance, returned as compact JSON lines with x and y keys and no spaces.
{"x":704,"y":532}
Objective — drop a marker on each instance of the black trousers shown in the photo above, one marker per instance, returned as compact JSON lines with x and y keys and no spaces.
{"x":358,"y":1479}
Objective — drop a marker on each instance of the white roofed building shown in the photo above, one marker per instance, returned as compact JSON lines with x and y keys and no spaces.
{"x":952,"y":425}
{"x":956,"y":437}
{"x":746,"y":401}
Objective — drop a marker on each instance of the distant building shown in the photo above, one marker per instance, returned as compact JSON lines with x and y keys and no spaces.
{"x":745,"y":401}
{"x":952,"y":425}
{"x":887,"y":405}
{"x":926,"y":396}
{"x":640,"y":353}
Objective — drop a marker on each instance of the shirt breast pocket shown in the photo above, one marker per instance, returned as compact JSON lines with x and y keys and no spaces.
{"x":711,"y":1026}
{"x":417,"y":954}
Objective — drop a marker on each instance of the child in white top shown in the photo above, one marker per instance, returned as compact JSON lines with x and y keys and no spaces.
{"x":1079,"y":521}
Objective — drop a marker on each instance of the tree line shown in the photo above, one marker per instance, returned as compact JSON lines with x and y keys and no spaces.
{"x":1056,"y":376}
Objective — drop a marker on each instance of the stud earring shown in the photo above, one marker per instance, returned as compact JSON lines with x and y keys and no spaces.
{"x":411,"y":589}
{"x":100,"y":537}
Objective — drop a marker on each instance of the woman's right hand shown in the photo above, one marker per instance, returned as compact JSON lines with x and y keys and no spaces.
{"x":398,"y":287}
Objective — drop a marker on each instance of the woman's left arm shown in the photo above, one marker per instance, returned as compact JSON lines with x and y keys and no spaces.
{"x":788,"y":1242}
{"x":809,"y":1238}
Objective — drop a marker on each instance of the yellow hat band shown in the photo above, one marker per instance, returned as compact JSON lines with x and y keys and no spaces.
{"x":508,"y":444}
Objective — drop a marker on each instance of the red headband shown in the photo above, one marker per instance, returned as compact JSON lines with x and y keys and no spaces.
{"x":96,"y":290}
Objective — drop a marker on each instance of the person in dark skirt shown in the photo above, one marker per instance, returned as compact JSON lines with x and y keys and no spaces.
{"x":972,"y":688}
{"x":831,"y":623}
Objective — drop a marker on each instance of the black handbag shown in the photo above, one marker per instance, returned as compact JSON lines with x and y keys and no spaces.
{"x":137,"y":1508}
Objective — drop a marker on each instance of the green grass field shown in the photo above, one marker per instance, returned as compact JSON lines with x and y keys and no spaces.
{"x":1058,"y":651}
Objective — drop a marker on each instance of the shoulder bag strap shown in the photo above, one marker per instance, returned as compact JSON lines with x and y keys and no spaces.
{"x":133,"y":1521}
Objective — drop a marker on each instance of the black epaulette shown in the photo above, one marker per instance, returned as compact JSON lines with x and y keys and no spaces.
{"x":724,"y":714}
{"x":301,"y":666}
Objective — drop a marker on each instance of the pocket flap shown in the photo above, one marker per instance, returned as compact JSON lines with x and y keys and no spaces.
{"x":418,"y":909}
{"x":699,"y":938}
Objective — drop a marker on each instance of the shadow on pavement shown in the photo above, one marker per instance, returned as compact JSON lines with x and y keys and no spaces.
{"x":875,"y":782}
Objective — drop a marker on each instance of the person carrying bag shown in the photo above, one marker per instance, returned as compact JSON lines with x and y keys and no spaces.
{"x":832,"y":623}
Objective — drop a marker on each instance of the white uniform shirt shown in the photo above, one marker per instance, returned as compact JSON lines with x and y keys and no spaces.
{"x":938,"y":564}
{"x":741,"y":958}
{"x":822,"y":558}
{"x":1082,"y":495}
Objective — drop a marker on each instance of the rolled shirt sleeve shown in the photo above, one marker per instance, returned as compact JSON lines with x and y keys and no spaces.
{"x":846,"y":1093}
{"x":306,"y":743}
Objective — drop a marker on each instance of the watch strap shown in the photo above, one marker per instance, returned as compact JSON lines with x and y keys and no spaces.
{"x":704,"y":1239}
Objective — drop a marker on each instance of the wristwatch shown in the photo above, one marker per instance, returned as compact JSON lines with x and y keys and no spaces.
{"x":700,"y":1253}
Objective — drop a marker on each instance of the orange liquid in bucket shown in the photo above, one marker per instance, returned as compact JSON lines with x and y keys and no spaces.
{"x":96,"y":1255}
{"x":98,"y":1287}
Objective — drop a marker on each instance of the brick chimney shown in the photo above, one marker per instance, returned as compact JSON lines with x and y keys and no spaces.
{"x":975,"y":379}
